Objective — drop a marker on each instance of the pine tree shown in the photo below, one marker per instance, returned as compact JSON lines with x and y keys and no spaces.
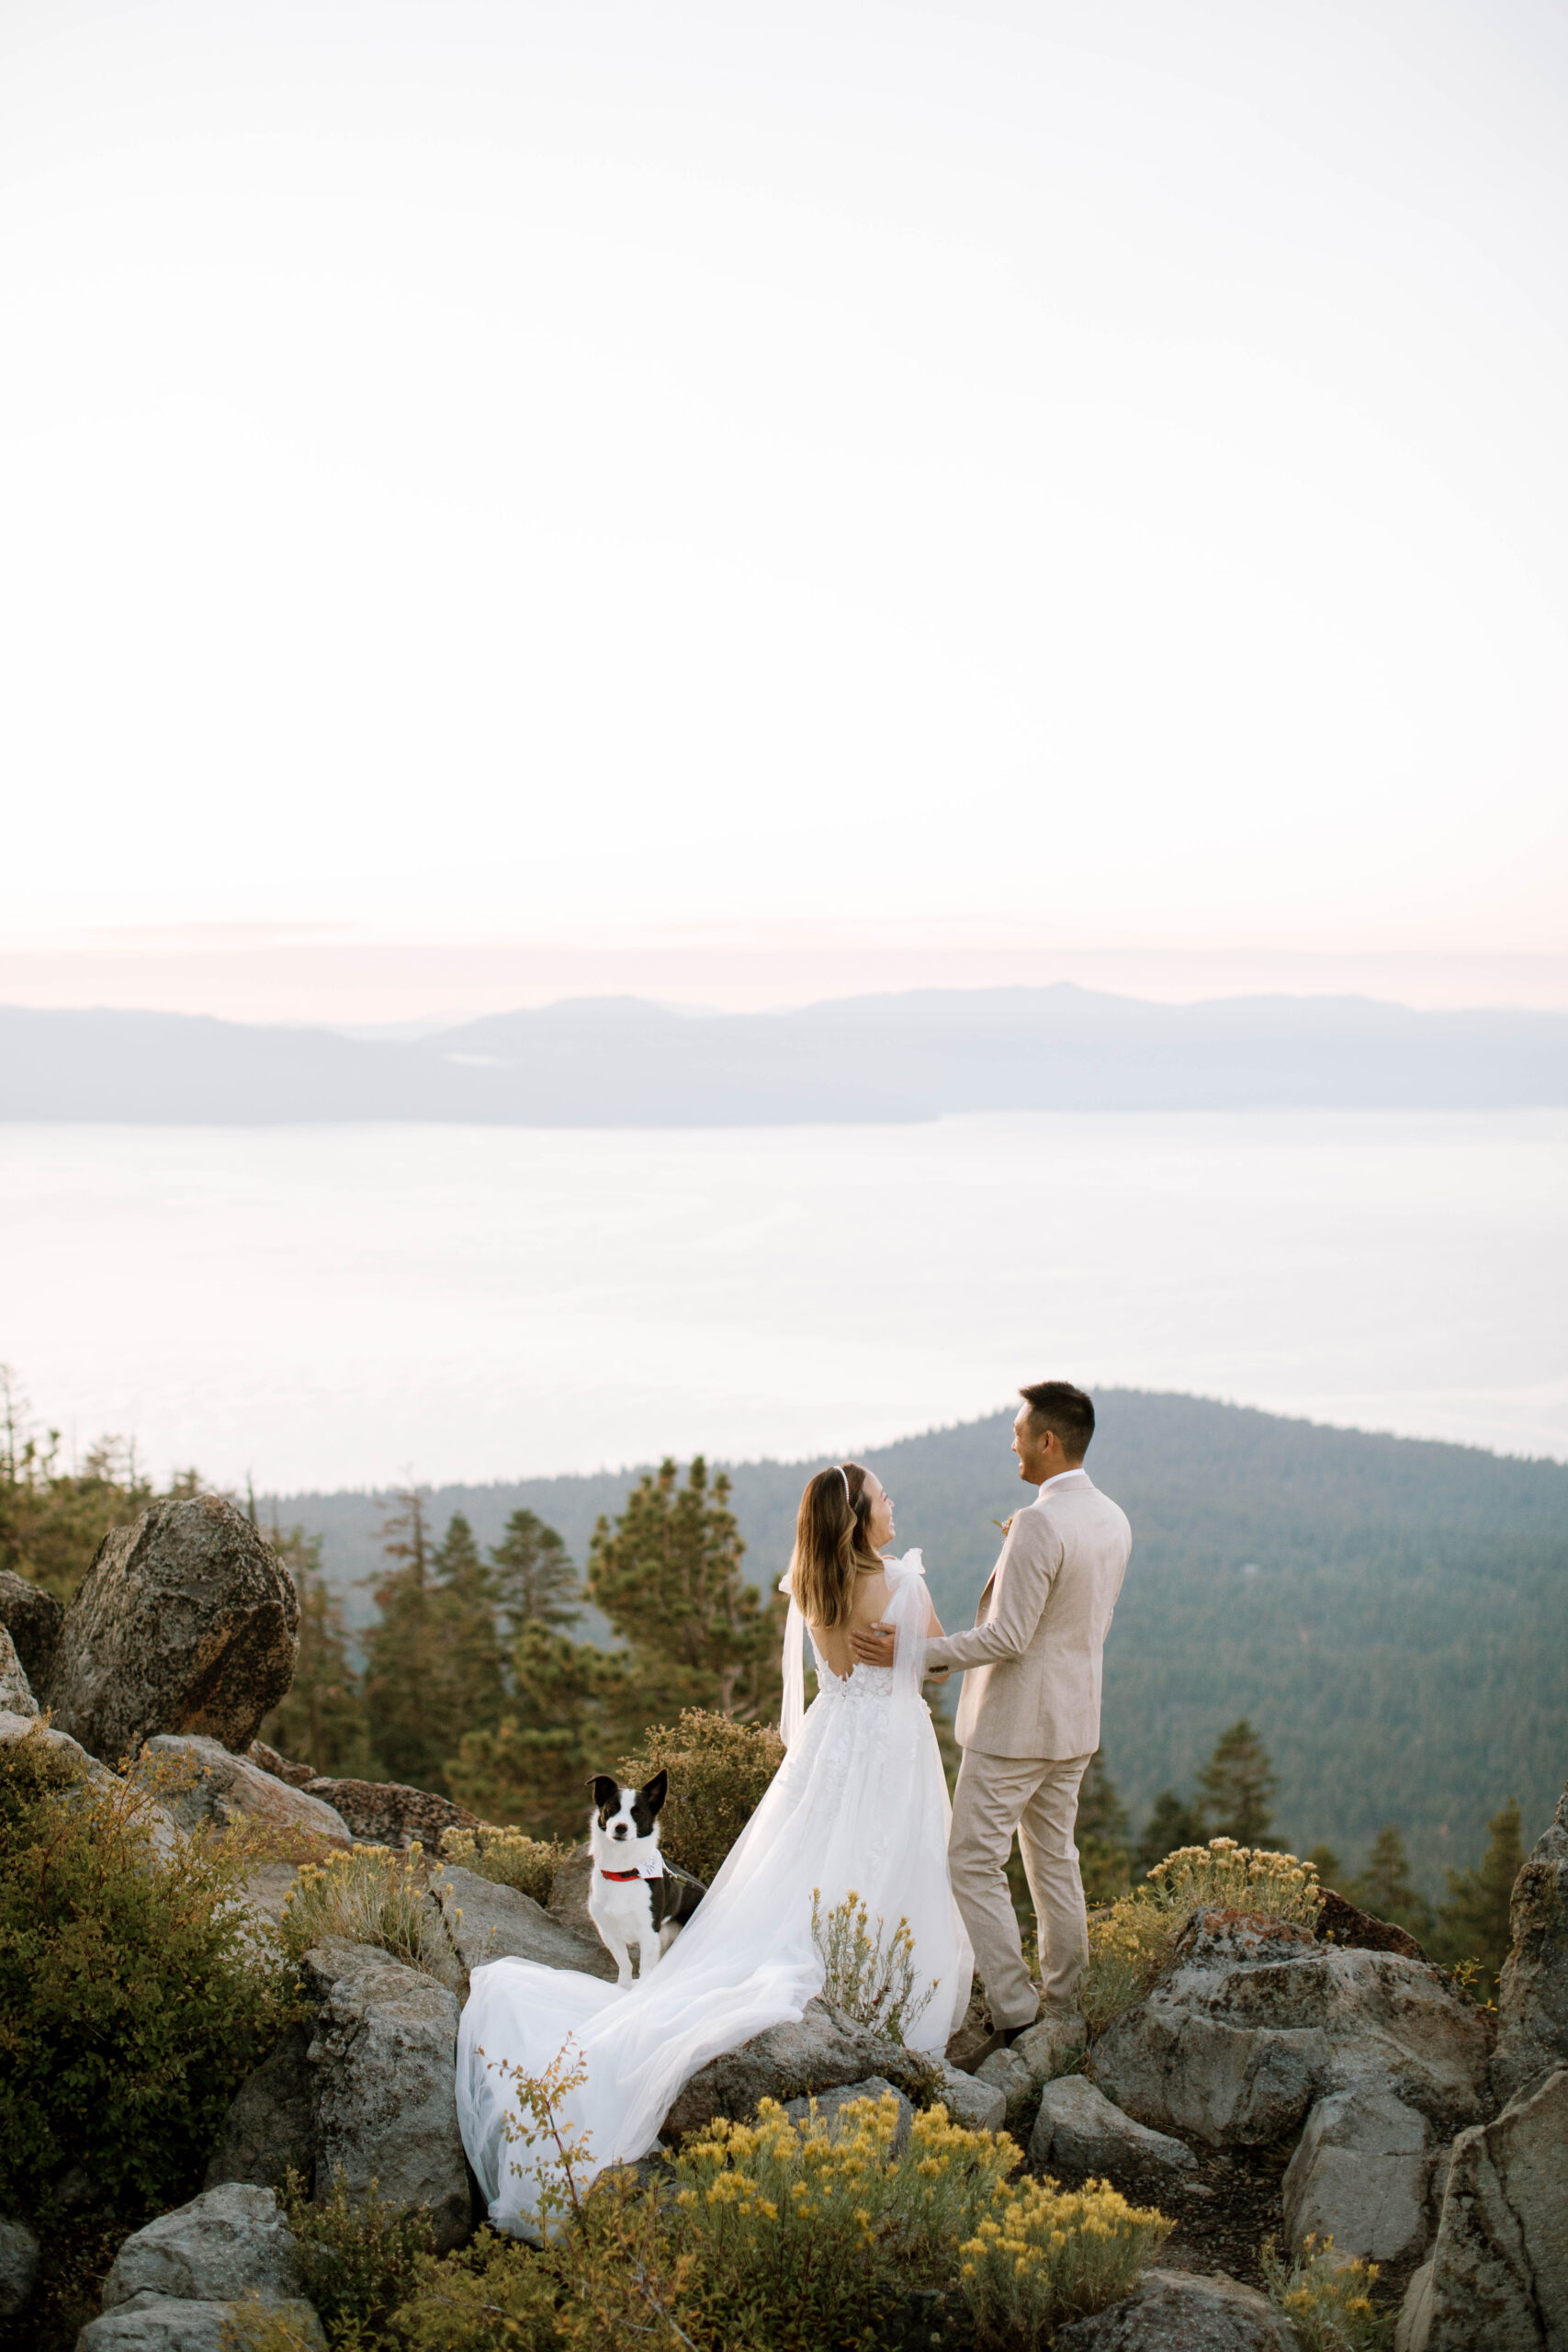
{"x":1103,"y":1834}
{"x":52,"y":1520}
{"x":399,"y":1648}
{"x":1386,"y":1889}
{"x":572,"y":1716}
{"x":468,"y":1661}
{"x":1326,"y":1864}
{"x":534,"y":1581}
{"x":322,"y":1721}
{"x":1474,"y":1923}
{"x":667,"y":1577}
{"x":1172,"y":1823}
{"x":1237,"y":1789}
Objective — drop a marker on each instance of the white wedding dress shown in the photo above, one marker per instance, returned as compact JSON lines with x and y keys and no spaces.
{"x":859,"y":1804}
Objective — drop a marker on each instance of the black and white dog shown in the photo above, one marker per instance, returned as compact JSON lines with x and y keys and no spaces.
{"x":636,"y":1897}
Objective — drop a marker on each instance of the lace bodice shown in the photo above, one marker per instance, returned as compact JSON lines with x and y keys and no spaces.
{"x":863,"y":1683}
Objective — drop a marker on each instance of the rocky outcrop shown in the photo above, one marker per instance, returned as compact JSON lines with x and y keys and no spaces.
{"x":1498,"y":2276}
{"x":1340,"y":1921}
{"x":1362,"y":2175}
{"x":19,"y":2266}
{"x":227,"y":2243}
{"x":830,"y":2109}
{"x":1173,"y":2311}
{"x":176,"y":2285}
{"x":204,"y":1785}
{"x":16,"y":1690}
{"x":1532,"y":2002}
{"x":1076,"y":2131}
{"x":489,"y":1922}
{"x":383,"y":2060}
{"x":267,"y":1759}
{"x":186,"y":1621}
{"x":1255,"y":2022}
{"x":385,"y":1813}
{"x":167,"y":2324}
{"x":270,"y":2129}
{"x":32,"y":1617}
{"x":823,"y":2052}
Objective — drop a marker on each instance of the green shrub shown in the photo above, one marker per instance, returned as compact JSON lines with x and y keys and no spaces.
{"x":371,"y":1897}
{"x":1047,"y":2255}
{"x":870,"y":1977}
{"x":134,"y":1993}
{"x":251,"y":2326}
{"x":357,"y":2260}
{"x":509,"y":1857}
{"x":719,"y":1772}
{"x":492,"y":2293}
{"x":611,"y":2284}
{"x":1329,"y":2304}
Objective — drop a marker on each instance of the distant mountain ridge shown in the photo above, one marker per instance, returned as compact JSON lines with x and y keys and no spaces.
{"x":1392,"y":1613}
{"x":618,"y":1061}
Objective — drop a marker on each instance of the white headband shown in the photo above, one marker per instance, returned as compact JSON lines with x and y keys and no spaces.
{"x":845,"y":1476}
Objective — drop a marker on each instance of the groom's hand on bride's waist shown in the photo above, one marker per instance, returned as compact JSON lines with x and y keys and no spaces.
{"x":873,"y":1644}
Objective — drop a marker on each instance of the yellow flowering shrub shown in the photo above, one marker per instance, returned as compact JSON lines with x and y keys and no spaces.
{"x":1328,"y":2303}
{"x":801,"y":2235}
{"x":1127,"y":1950}
{"x":1047,"y":2255}
{"x":370,"y":1896}
{"x":1228,"y":1877}
{"x":1136,"y":1938}
{"x":509,"y":1857}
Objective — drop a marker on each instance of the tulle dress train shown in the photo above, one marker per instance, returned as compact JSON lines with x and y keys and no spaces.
{"x":859,"y":1805}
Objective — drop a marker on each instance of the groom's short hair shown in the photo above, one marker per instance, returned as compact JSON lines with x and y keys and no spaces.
{"x":1057,"y":1405}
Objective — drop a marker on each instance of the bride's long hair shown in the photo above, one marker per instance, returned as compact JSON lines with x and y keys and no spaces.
{"x":832,"y":1543}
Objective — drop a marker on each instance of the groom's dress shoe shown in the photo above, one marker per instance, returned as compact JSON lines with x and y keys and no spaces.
{"x":1003,"y":2038}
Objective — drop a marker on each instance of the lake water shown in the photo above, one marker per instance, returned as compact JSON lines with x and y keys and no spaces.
{"x":333,"y":1307}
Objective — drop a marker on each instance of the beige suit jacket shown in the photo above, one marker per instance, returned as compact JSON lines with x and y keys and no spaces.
{"x":1032,"y":1661}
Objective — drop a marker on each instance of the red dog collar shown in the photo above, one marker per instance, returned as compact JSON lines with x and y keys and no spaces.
{"x":621,"y":1875}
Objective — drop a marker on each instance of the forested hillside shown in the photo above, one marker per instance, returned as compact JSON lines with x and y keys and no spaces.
{"x":1392,"y":1615}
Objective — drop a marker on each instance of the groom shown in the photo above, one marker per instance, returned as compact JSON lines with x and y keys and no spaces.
{"x":1028,"y":1718}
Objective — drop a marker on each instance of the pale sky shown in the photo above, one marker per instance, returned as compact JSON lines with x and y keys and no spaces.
{"x":568,"y":475}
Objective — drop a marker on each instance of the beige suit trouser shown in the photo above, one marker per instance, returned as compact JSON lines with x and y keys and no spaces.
{"x":1039,"y":1799}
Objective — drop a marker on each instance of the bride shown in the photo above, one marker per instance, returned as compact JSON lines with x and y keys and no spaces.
{"x":859,"y":1805}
